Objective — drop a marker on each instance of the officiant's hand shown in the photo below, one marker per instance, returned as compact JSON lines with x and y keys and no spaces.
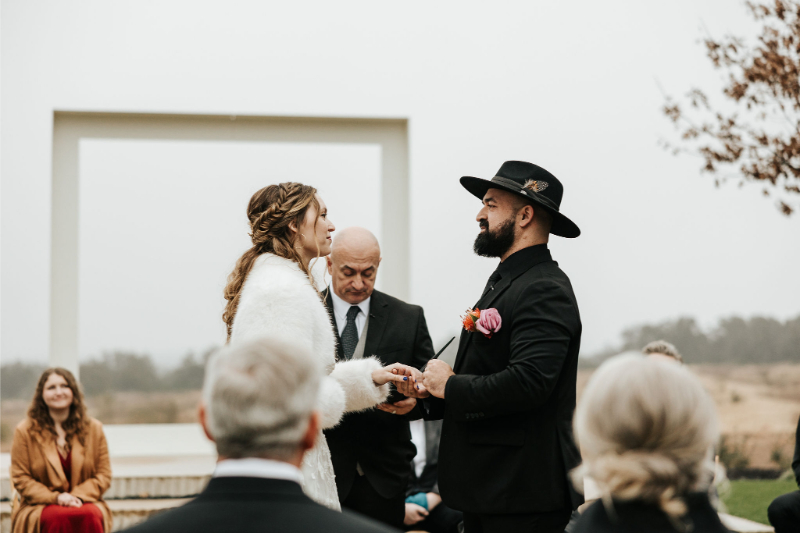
{"x":435,"y":377}
{"x":403,"y":407}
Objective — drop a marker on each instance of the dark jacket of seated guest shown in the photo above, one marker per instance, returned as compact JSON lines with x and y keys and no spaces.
{"x":784,"y":511}
{"x":37,"y":474}
{"x":256,"y":505}
{"x":637,"y":517}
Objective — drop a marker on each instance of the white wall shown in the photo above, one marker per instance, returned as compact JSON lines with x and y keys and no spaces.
{"x":570,"y":86}
{"x":163,"y":223}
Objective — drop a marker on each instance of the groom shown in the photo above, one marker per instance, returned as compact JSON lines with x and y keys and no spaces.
{"x":506,"y":447}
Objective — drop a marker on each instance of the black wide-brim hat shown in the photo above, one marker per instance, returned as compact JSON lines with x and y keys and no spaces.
{"x":533,"y":183}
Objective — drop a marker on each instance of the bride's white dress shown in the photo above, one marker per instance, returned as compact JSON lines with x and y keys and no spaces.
{"x":319,"y":480}
{"x":278,"y":300}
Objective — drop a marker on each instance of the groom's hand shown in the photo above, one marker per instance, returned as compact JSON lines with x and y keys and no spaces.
{"x":435,"y":377}
{"x":403,"y":407}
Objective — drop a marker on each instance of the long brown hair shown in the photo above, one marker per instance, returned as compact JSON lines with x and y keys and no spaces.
{"x":271,"y":210}
{"x":76,"y":423}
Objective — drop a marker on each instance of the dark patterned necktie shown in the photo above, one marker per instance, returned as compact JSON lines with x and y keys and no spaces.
{"x":493,"y":279}
{"x":350,"y":332}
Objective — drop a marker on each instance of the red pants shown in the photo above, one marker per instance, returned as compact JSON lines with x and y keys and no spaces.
{"x":85,"y":519}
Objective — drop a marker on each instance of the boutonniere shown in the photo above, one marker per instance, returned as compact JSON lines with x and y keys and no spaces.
{"x":487,"y":321}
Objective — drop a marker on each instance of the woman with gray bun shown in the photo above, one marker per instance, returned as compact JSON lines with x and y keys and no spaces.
{"x":645,"y":428}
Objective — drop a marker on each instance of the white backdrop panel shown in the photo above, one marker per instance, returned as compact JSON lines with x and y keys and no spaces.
{"x":163,"y":222}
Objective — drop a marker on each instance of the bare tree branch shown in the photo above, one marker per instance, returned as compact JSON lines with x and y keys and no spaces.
{"x":764,"y":85}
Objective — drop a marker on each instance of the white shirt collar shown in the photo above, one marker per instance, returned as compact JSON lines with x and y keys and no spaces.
{"x":257,"y":467}
{"x":340,"y":307}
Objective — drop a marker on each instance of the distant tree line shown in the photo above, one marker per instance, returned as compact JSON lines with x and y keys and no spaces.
{"x":733,"y":340}
{"x":116,"y":371}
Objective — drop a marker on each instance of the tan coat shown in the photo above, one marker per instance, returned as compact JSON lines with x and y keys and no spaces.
{"x":38,"y":478}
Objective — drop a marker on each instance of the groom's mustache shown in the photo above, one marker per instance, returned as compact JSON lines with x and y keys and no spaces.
{"x":484,"y":225}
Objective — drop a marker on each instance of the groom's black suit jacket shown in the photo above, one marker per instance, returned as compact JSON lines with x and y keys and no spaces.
{"x":380,"y":442}
{"x":507,"y":444}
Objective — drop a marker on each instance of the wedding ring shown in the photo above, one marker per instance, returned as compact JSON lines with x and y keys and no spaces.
{"x":394,"y":412}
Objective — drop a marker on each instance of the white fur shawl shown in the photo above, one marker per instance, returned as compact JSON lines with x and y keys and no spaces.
{"x":277,"y":299}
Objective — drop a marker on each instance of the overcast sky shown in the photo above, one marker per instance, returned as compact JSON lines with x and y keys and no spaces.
{"x":573,"y":86}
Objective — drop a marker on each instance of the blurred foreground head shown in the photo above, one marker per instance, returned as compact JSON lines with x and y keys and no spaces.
{"x":662,"y":349}
{"x":259,"y":399}
{"x":645,"y":428}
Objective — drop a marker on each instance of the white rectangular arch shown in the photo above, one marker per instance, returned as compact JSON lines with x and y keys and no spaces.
{"x":69,"y":127}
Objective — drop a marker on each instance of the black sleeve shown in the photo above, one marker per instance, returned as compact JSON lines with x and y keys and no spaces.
{"x":542,"y":328}
{"x":432,"y":408}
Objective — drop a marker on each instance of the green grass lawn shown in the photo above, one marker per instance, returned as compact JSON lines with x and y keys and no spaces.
{"x":750,"y":498}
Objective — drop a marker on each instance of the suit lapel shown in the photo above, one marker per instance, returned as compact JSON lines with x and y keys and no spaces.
{"x":462,"y":345}
{"x":78,"y":457}
{"x":378,"y":317}
{"x":493,"y":294}
{"x":51,"y":453}
{"x":483,"y":303}
{"x":329,"y":305}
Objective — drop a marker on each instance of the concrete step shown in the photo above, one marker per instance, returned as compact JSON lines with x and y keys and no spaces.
{"x":156,"y":487}
{"x":125,"y":513}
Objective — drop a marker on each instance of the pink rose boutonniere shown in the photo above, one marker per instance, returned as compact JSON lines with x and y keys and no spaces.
{"x":487,"y":321}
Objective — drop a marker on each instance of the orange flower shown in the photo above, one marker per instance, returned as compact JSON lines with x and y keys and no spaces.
{"x":470,"y":318}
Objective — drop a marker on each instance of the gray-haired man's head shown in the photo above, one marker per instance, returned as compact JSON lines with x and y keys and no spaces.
{"x":259,"y":399}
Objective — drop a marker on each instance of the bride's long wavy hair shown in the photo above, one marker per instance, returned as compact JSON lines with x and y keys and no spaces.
{"x":271,"y":211}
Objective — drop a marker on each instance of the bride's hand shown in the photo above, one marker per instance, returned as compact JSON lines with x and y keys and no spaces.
{"x":396,"y":372}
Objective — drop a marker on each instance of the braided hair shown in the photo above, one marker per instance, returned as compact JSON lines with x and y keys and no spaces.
{"x":271,"y":210}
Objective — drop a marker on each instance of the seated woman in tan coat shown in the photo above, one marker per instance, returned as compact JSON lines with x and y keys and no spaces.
{"x":59,"y":463}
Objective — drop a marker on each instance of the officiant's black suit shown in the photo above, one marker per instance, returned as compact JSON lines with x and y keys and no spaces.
{"x":256,"y":505}
{"x":507,"y":445}
{"x":378,"y":441}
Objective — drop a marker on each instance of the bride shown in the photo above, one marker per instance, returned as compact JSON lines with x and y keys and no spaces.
{"x":272,"y":289}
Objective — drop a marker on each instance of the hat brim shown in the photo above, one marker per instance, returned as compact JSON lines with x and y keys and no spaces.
{"x":562,"y":226}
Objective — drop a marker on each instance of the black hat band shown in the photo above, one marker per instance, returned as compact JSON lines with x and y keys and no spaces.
{"x":547,"y":202}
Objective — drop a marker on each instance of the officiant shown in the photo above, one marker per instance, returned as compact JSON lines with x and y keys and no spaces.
{"x":371,"y":450}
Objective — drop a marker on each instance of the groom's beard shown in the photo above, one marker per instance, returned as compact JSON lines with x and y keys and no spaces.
{"x":495,"y":243}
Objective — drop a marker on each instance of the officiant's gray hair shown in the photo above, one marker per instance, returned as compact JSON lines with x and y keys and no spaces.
{"x":259,"y":396}
{"x":645,"y":429}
